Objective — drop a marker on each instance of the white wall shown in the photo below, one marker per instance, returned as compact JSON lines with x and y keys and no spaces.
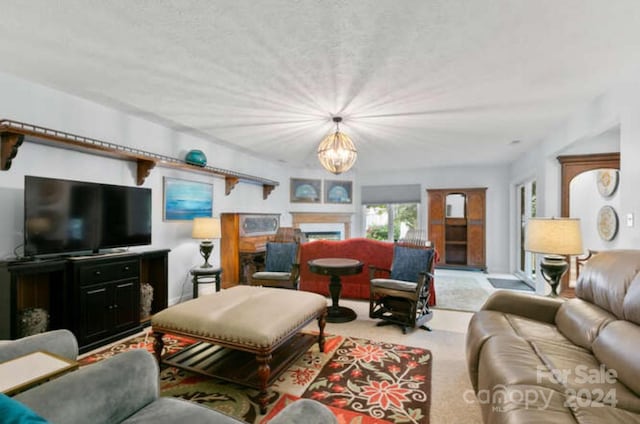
{"x":495,"y":178}
{"x":609,"y":121}
{"x":585,"y":203}
{"x":34,"y":104}
{"x":27,"y":102}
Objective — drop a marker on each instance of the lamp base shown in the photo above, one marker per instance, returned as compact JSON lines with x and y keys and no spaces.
{"x":553,"y":268}
{"x":206,"y":247}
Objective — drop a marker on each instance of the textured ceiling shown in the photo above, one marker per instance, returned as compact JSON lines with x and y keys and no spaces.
{"x":419,"y":82}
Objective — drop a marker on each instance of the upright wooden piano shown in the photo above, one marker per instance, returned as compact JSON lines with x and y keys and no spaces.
{"x":243,"y":244}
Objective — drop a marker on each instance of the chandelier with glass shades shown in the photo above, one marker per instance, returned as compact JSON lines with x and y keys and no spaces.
{"x":336,"y":152}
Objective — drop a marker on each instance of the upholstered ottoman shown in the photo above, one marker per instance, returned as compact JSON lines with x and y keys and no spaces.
{"x":263,"y":322}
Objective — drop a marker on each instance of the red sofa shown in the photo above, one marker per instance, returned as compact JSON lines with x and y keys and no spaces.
{"x":367,"y":251}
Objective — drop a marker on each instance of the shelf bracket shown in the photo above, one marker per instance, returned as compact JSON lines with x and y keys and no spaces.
{"x":144,"y":169}
{"x":229,"y":184}
{"x":10,"y":144}
{"x":266,"y":190}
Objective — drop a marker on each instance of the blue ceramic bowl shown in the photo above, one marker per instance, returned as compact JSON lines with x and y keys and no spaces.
{"x":196,"y":157}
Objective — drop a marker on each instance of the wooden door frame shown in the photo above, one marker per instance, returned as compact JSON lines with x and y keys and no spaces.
{"x":574,"y":165}
{"x":571,"y":167}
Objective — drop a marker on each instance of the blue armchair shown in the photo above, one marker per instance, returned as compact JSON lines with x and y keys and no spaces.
{"x":282,"y":266}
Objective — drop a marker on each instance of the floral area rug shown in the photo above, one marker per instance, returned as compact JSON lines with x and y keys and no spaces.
{"x":361,"y":381}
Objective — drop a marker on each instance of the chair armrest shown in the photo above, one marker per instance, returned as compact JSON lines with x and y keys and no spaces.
{"x":295,"y":271}
{"x":105,"y":392}
{"x":60,"y":342}
{"x":305,"y":411}
{"x":523,"y":304}
{"x":377,"y":272}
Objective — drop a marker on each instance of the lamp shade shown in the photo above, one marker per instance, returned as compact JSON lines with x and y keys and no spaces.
{"x":206,"y":228}
{"x":336,"y":152}
{"x":556,"y":236}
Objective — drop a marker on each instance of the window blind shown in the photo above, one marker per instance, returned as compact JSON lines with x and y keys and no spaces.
{"x":383,"y":194}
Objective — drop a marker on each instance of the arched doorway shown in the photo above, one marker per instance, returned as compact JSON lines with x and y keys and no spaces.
{"x":572,"y":166}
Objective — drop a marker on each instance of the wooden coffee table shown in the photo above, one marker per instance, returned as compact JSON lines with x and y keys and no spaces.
{"x":29,"y":370}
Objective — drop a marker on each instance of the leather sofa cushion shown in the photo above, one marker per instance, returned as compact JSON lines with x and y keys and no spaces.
{"x":581,"y":374}
{"x":605,"y":414}
{"x":618,"y":347}
{"x":632,"y":302}
{"x":527,"y":404}
{"x":581,"y":321}
{"x":606,"y":278}
{"x":509,"y":360}
{"x":485,"y":324}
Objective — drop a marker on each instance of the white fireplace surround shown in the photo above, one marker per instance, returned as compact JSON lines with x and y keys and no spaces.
{"x":323,"y":222}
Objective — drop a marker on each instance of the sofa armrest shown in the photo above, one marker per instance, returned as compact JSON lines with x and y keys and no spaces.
{"x":105,"y":392}
{"x":527,"y":305}
{"x":305,"y":411}
{"x":59,"y":342}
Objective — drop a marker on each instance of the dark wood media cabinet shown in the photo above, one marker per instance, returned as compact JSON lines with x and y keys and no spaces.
{"x":96,"y":297}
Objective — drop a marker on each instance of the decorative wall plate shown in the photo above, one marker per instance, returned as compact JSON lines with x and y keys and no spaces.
{"x":607,"y":182}
{"x":607,"y":223}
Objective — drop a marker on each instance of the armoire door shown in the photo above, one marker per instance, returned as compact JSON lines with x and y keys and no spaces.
{"x":436,"y":221}
{"x":476,"y":228}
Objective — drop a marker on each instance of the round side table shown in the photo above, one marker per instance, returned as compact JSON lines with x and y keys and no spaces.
{"x":205,"y":276}
{"x":336,"y":267}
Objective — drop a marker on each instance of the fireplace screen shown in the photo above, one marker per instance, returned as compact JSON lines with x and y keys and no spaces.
{"x":323,"y":235}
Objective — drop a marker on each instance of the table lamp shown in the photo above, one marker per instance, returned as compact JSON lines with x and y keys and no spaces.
{"x":206,"y":229}
{"x":555,"y":238}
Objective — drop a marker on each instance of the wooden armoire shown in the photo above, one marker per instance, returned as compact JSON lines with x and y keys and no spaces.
{"x":457,"y":226}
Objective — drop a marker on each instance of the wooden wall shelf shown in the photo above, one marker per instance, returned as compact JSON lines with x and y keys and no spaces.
{"x":13,"y":134}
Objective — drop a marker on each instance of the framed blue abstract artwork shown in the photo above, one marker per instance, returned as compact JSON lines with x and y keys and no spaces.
{"x":185,"y":200}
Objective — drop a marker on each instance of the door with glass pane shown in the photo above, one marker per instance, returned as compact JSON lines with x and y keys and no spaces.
{"x":526,"y":195}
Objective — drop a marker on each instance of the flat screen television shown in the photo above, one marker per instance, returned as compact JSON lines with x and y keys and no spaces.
{"x":63,"y":216}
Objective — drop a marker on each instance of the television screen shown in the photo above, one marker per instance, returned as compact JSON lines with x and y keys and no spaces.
{"x":125,"y":216}
{"x":67,"y":216}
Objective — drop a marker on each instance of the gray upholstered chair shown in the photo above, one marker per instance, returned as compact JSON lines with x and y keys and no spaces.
{"x":281,"y":268}
{"x":401,"y":295}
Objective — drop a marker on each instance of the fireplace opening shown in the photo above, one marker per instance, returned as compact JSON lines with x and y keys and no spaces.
{"x":323,"y":235}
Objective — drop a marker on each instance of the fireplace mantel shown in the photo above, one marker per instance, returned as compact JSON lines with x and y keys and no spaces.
{"x":323,"y":218}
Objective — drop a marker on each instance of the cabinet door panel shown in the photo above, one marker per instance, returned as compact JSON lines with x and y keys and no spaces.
{"x":126,"y":306}
{"x":476,"y":228}
{"x":436,"y":222}
{"x":94,"y":313}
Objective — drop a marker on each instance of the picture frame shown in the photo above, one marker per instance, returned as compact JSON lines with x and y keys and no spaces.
{"x":304,"y":190}
{"x":338,"y":191}
{"x":184,"y":200}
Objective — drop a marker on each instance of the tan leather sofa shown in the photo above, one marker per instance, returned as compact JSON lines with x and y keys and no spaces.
{"x":534,"y":359}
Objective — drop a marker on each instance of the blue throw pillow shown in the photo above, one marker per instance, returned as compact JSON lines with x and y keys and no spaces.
{"x":409,"y":262}
{"x":280,"y":256}
{"x":13,"y":412}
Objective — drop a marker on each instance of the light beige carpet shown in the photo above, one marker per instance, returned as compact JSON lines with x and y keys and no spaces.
{"x":447,"y":344}
{"x":461,"y":293}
